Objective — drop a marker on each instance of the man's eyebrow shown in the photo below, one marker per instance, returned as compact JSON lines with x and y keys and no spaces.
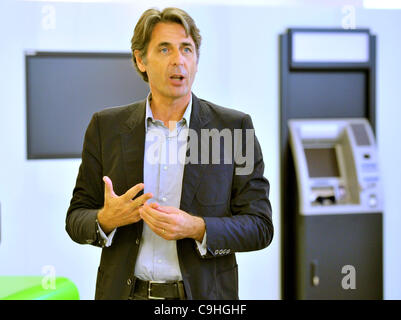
{"x":164,"y":44}
{"x":186,"y":44}
{"x":182,"y":44}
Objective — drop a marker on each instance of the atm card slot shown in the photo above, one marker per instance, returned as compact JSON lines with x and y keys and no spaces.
{"x":323,"y":196}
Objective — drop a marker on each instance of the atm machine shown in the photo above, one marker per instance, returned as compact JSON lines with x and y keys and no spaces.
{"x":339,"y":208}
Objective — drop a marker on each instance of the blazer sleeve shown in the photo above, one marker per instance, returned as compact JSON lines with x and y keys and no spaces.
{"x":88,"y":194}
{"x":250,"y":225}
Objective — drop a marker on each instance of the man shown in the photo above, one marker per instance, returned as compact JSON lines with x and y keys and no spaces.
{"x":168,"y":229}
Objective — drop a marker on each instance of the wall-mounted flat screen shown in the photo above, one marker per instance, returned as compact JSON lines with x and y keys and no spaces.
{"x":64,"y":90}
{"x":322,"y":162}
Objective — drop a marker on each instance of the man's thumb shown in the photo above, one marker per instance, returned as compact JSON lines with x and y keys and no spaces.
{"x":108,"y":187}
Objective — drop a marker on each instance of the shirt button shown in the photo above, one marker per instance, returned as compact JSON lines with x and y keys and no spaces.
{"x":129,"y":282}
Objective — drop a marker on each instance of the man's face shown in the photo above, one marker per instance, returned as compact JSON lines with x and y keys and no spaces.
{"x":171,"y":61}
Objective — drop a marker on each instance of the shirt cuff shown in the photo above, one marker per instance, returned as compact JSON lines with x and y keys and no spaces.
{"x":109,"y":238}
{"x":202,"y":245}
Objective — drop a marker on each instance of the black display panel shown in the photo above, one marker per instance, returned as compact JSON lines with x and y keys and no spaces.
{"x":322,"y":162}
{"x":326,"y":94}
{"x":64,"y":90}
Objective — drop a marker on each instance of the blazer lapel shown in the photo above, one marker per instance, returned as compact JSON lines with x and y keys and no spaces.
{"x":133,"y":145}
{"x":193,"y":171}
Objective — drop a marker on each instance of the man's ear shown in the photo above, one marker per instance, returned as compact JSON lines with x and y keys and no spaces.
{"x":139,"y":61}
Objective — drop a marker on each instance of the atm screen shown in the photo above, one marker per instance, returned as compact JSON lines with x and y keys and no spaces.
{"x":322,"y":162}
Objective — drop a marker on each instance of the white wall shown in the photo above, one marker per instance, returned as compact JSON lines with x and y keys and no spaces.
{"x":238,"y":68}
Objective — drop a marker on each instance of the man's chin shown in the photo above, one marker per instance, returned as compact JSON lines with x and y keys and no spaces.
{"x":178,"y":93}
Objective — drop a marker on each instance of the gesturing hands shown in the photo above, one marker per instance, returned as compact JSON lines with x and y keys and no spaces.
{"x":171,"y":223}
{"x":120,"y":210}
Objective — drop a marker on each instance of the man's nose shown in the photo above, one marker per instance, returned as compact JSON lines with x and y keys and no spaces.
{"x":177,"y":58}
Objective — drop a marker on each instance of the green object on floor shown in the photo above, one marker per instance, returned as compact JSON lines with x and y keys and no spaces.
{"x":32,"y":288}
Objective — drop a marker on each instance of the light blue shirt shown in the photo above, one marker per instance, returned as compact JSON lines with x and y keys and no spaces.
{"x":163,"y":172}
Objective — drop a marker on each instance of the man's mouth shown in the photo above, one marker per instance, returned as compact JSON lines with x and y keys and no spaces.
{"x":177,"y":77}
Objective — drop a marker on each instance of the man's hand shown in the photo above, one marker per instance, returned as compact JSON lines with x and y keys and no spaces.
{"x":171,"y":223}
{"x":120,"y":210}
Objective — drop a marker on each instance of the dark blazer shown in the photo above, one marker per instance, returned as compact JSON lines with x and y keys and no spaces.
{"x":235,"y":208}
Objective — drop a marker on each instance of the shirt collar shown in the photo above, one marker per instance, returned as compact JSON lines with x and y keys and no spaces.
{"x":149,"y":114}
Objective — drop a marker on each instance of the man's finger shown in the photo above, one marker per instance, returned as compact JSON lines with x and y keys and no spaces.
{"x":131,"y":193}
{"x":150,"y":221}
{"x":148,"y":218}
{"x":108,"y":187}
{"x":167,"y":209}
{"x":154,"y":224}
{"x":155,"y":214}
{"x":154,"y":205}
{"x":142,"y":199}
